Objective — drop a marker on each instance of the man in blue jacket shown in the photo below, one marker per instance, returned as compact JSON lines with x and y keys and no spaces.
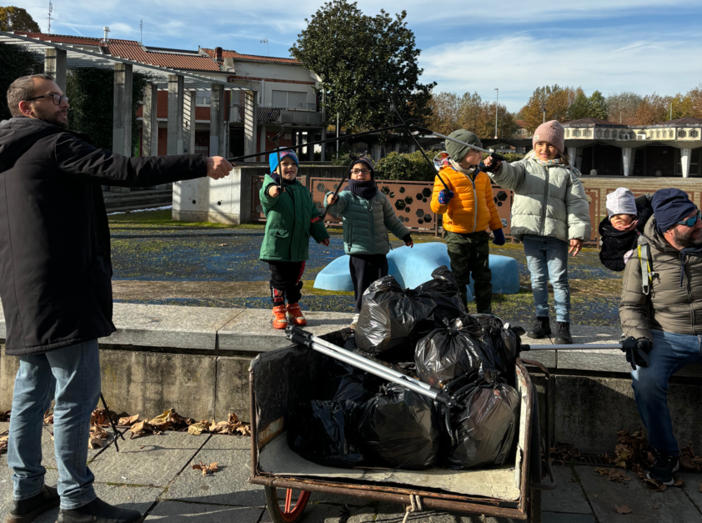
{"x":56,"y":290}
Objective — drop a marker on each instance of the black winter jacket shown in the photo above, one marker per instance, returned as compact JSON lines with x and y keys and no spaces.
{"x":615,"y":243}
{"x":55,"y":268}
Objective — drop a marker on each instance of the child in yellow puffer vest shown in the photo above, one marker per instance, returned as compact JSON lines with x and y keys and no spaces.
{"x":468,"y":209}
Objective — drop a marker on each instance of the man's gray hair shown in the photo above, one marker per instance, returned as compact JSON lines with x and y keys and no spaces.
{"x":21,"y":89}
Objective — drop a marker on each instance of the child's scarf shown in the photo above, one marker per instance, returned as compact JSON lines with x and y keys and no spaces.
{"x":472,"y":172}
{"x":363,"y":189}
{"x":531,"y":155}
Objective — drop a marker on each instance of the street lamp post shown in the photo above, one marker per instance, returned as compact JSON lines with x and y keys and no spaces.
{"x":497,"y":99}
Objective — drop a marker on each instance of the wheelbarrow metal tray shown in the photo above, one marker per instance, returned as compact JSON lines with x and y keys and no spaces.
{"x":283,"y":377}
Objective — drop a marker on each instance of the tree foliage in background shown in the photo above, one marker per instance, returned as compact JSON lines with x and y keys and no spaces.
{"x":15,"y":61}
{"x":17,"y":19}
{"x":90,"y":91}
{"x":622,"y":107}
{"x":360,"y":60}
{"x":451,"y":112}
{"x":598,"y":106}
{"x":554,"y":100}
{"x":405,"y":166}
{"x":652,"y":109}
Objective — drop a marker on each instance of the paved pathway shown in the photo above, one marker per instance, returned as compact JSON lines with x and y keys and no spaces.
{"x":154,"y":474}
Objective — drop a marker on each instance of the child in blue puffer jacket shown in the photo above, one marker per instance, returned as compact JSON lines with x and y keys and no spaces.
{"x":367,"y":216}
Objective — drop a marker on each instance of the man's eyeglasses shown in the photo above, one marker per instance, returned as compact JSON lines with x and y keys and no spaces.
{"x":56,"y":98}
{"x":690,"y":222}
{"x":359,"y":171}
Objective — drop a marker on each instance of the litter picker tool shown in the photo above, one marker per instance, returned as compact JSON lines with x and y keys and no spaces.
{"x":354,"y":158}
{"x":318,"y":142}
{"x":112,"y":422}
{"x":276,"y":139}
{"x":423,"y":130}
{"x":408,"y":128}
{"x":307,"y":339}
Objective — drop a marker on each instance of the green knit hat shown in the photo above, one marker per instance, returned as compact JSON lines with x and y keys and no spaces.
{"x":458,"y":151}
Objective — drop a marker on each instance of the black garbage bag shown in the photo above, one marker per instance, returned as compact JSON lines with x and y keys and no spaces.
{"x":482,"y":428}
{"x":325,"y":432}
{"x":450,"y":351}
{"x":399,"y":428}
{"x":339,"y":381}
{"x":392,"y":320}
{"x":502,"y":343}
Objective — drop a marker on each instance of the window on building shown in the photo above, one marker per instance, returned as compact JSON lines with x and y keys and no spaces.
{"x":202,"y":99}
{"x":290,"y":99}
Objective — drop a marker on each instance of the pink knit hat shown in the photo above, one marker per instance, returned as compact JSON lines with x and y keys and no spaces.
{"x":551,"y":132}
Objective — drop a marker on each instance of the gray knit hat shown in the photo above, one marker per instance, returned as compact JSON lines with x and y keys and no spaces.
{"x":458,"y":151}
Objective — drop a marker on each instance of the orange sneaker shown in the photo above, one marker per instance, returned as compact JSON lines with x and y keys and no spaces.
{"x":279,"y":319}
{"x":295,"y":315}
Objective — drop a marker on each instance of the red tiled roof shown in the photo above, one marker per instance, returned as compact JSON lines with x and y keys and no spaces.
{"x":133,"y":50}
{"x":521,"y":123}
{"x":252,"y":57}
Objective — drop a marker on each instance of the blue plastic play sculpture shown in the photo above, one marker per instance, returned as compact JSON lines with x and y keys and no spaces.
{"x":412,"y":267}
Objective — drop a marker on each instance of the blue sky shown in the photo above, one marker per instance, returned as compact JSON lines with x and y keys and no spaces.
{"x":643,"y":46}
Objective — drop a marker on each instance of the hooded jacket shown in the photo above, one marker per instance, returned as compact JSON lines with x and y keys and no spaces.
{"x":55,"y":269}
{"x":472,"y":208}
{"x":616,"y":243}
{"x":548,"y":200}
{"x":367,"y":222}
{"x":674,"y":303}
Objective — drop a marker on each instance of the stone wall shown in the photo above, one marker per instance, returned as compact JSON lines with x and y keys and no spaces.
{"x":196,"y":360}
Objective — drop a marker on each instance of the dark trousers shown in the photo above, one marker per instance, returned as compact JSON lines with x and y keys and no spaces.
{"x":286,"y":281}
{"x":365,"y":269}
{"x":470,"y":253}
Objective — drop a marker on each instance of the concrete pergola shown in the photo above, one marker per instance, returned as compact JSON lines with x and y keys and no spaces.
{"x":181,"y":87}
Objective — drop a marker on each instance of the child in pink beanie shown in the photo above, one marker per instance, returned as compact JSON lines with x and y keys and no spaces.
{"x":551,"y":216}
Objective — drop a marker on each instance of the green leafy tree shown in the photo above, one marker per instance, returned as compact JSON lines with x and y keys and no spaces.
{"x":405,"y":166}
{"x":17,"y":19}
{"x":554,"y":101}
{"x":360,"y":61}
{"x":91,"y":92}
{"x":682,"y":106}
{"x":15,"y":61}
{"x":580,"y":108}
{"x":598,"y":106}
{"x":451,"y":112}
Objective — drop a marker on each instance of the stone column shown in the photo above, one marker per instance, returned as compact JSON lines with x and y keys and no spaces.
{"x":572,"y":154}
{"x":250,"y":123}
{"x":176,"y":99}
{"x":189,"y":122}
{"x":122,"y":110}
{"x":216,"y":116}
{"x":685,"y":155}
{"x":627,"y":161}
{"x":55,"y":65}
{"x":149,"y":138}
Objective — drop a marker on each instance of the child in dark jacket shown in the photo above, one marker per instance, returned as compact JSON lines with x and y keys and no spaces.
{"x":626,"y":218}
{"x":290,"y":212}
{"x":368,"y":216}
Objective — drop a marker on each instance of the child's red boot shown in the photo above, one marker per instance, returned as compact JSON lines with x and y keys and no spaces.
{"x":280,"y":321}
{"x":295,"y":315}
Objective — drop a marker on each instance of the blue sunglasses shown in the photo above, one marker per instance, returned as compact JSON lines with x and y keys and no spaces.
{"x":690,"y":222}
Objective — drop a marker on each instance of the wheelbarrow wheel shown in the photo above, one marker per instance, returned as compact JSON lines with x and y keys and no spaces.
{"x":286,"y":505}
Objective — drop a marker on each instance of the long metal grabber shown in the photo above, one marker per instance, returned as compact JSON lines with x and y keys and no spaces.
{"x":584,"y":346}
{"x":360,"y":358}
{"x":393,"y":108}
{"x":301,"y":337}
{"x":318,"y":142}
{"x":112,"y":422}
{"x":354,"y":159}
{"x":424,"y":130}
{"x":276,"y":139}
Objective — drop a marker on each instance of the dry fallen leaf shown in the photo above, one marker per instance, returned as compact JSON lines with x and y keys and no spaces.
{"x":618,"y":476}
{"x":5,"y":415}
{"x":3,"y":442}
{"x":623,"y":509}
{"x":98,"y":437}
{"x":206,"y":469}
{"x":656,"y":506}
{"x":655,"y":486}
{"x":198,"y":428}
{"x":139,"y":429}
{"x":602,"y":471}
{"x":679,"y":483}
{"x":128,"y":420}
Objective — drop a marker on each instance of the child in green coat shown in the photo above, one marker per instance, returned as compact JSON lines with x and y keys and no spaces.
{"x":289,"y":211}
{"x":367,"y":215}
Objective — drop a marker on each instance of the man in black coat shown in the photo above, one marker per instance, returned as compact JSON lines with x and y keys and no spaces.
{"x":56,"y":290}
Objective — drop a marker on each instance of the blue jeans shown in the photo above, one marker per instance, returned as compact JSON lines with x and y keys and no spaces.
{"x":547,"y":259}
{"x":671,"y":352}
{"x":71,"y":376}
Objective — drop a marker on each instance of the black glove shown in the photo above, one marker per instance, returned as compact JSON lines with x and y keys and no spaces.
{"x":492,"y":168}
{"x":637,"y":350}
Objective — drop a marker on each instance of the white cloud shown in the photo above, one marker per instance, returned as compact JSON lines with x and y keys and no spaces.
{"x":519,"y":64}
